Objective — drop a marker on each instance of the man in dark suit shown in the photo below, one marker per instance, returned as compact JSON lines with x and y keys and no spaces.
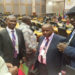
{"x":12,"y":46}
{"x":48,"y":57}
{"x":69,"y":48}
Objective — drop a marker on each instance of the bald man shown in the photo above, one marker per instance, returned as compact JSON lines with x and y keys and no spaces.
{"x":12,"y":46}
{"x":49,"y":58}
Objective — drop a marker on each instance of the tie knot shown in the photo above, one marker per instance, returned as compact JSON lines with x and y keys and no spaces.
{"x":47,"y":39}
{"x":12,"y":31}
{"x":13,"y":34}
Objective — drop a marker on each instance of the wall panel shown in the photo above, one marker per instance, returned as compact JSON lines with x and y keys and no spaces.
{"x":1,"y":1}
{"x":8,"y":1}
{"x":23,"y":1}
{"x":29,"y":10}
{"x":23,"y":10}
{"x":1,"y":9}
{"x":22,"y":6}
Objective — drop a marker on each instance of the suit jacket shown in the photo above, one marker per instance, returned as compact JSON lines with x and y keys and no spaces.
{"x":7,"y":49}
{"x":70,"y":52}
{"x":53,"y":56}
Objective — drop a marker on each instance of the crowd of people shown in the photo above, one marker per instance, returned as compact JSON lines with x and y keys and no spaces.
{"x":49,"y":55}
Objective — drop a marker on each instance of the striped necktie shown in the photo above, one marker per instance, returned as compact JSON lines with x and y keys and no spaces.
{"x":14,"y":43}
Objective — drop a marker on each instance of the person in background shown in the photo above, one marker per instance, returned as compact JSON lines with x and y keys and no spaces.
{"x":69,"y":48}
{"x":7,"y":68}
{"x":49,"y":59}
{"x":12,"y":45}
{"x":30,"y":40}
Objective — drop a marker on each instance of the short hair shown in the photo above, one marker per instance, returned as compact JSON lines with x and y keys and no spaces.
{"x":10,"y":16}
{"x":45,"y":25}
{"x":25,"y":18}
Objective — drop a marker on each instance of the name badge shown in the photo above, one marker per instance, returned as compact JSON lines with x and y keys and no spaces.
{"x":43,"y":54}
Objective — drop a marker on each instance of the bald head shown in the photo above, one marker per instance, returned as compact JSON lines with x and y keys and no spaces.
{"x":47,"y":30}
{"x":47,"y":26}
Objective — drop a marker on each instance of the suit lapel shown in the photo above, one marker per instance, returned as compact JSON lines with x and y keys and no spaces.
{"x":8,"y":38}
{"x":41,"y":40}
{"x":52,"y":44}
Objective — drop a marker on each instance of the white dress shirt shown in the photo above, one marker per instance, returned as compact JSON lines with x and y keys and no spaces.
{"x":16,"y":41}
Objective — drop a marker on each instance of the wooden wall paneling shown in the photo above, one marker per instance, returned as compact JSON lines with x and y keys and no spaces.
{"x":26,"y":7}
{"x":23,"y":1}
{"x":8,"y":1}
{"x":16,"y":9}
{"x":4,"y":5}
{"x":8,"y":8}
{"x":1,"y":8}
{"x":29,"y":8}
{"x":37,"y":7}
{"x":40,"y":7}
{"x":23,"y":9}
{"x":19,"y":3}
{"x":12,"y":6}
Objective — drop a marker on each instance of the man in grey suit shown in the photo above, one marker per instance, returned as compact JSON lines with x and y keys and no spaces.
{"x":49,"y":58}
{"x":12,"y":46}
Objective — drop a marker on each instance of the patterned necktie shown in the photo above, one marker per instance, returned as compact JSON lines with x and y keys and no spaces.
{"x":47,"y":40}
{"x":14,"y":43}
{"x":46,"y":44}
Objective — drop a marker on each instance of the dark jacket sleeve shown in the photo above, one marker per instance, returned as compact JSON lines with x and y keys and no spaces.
{"x":1,"y":54}
{"x":70,"y":51}
{"x":22,"y":47}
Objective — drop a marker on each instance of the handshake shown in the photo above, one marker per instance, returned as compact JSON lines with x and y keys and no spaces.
{"x":62,"y":46}
{"x":12,"y":69}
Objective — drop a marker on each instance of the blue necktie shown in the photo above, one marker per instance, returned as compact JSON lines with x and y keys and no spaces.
{"x":14,"y":43}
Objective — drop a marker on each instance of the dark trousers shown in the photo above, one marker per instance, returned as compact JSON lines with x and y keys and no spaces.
{"x":42,"y":68}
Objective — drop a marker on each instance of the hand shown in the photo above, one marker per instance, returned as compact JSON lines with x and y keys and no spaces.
{"x":62,"y":46}
{"x":9,"y":65}
{"x":24,"y":59}
{"x":13,"y":70}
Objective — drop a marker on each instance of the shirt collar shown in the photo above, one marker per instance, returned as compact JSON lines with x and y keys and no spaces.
{"x":50,"y":37}
{"x":9,"y":30}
